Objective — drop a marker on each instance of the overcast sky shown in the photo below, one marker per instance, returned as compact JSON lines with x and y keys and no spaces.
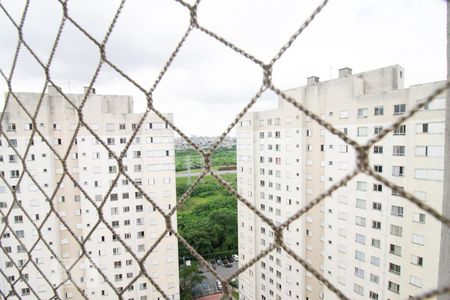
{"x":208,"y":83}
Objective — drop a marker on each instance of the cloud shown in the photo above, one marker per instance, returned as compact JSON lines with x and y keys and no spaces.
{"x":209,"y":83}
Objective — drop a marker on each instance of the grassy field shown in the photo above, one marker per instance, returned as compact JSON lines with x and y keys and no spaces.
{"x":221,"y":157}
{"x":206,"y":191}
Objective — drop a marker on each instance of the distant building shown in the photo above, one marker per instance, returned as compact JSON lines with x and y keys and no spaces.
{"x":204,"y":142}
{"x":365,"y":239}
{"x":149,"y":162}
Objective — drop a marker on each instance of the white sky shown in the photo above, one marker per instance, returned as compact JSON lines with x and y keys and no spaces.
{"x":208,"y":83}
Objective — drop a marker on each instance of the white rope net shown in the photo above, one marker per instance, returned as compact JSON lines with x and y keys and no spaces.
{"x":363,"y":165}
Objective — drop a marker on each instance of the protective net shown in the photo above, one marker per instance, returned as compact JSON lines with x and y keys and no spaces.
{"x":362,"y":163}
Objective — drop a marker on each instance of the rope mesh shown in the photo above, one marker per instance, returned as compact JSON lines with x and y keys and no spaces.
{"x":362,"y":166}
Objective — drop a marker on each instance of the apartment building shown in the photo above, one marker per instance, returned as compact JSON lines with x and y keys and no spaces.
{"x":75,"y":220}
{"x":365,"y":239}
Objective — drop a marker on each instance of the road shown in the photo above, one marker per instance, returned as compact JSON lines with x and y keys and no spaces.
{"x":196,"y":173}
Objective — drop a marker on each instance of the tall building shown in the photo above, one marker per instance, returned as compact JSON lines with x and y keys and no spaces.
{"x":365,"y":239}
{"x":51,"y":214}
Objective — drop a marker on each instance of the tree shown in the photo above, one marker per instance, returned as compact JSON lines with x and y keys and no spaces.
{"x":189,"y":278}
{"x":181,"y":189}
{"x":196,"y":230}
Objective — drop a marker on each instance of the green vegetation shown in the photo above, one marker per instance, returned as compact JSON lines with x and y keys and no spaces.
{"x":189,"y":278}
{"x":221,"y":157}
{"x":208,"y":218}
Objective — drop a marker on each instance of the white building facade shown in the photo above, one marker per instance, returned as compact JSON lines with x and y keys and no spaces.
{"x":149,"y":162}
{"x":365,"y":239}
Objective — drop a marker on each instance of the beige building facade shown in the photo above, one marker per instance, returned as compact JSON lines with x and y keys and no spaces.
{"x":365,"y":239}
{"x":80,"y":206}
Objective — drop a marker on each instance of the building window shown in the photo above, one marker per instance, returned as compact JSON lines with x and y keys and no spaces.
{"x":393,"y":287}
{"x":343,"y":148}
{"x":12,"y":143}
{"x":395,"y":249}
{"x":398,"y":151}
{"x":397,"y":211}
{"x":399,"y":109}
{"x":417,"y":260}
{"x":362,"y":113}
{"x":377,"y":187}
{"x":362,"y":131}
{"x":400,"y":130}
{"x":12,"y":159}
{"x":418,"y":239}
{"x":359,"y":272}
{"x":396,"y":230}
{"x":11,"y":127}
{"x":360,"y":256}
{"x":376,"y":243}
{"x":416,"y":281}
{"x":361,"y":203}
{"x":378,"y":149}
{"x":361,"y":186}
{"x":377,"y":129}
{"x":342,"y":216}
{"x":398,"y":171}
{"x":422,"y":128}
{"x":419,"y":218}
{"x":360,"y":239}
{"x":374,"y":278}
{"x":432,"y":151}
{"x":25,"y":291}
{"x":343,"y":114}
{"x":378,"y":111}
{"x":435,"y":127}
{"x":393,"y":268}
{"x":360,"y":221}
{"x":378,"y":168}
{"x":375,"y":260}
{"x":376,"y":224}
